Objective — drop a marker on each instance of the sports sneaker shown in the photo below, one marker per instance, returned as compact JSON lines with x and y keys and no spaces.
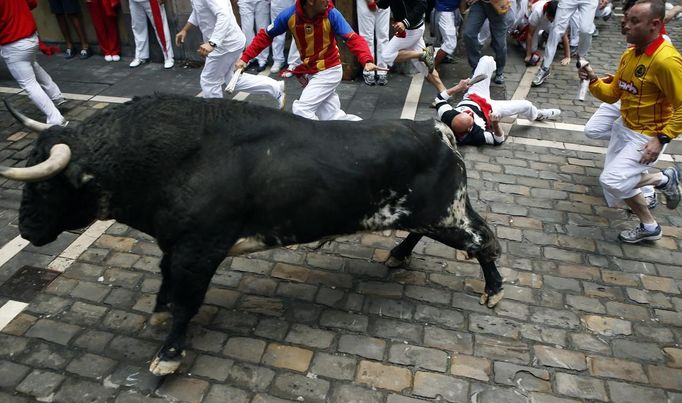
{"x":574,"y":51}
{"x":429,"y":58}
{"x":108,"y":58}
{"x":595,"y":33}
{"x":115,"y":58}
{"x":64,"y":123}
{"x":261,"y":67}
{"x":282,"y":97}
{"x":276,"y":67}
{"x":651,"y":201}
{"x":286,"y":73}
{"x":68,"y":53}
{"x":671,"y":190}
{"x":544,"y":114}
{"x":168,"y":63}
{"x":499,"y":78}
{"x":136,"y":63}
{"x":369,"y":78}
{"x":59,"y":101}
{"x":639,"y":234}
{"x":85,"y":53}
{"x":382,"y":78}
{"x":540,"y":78}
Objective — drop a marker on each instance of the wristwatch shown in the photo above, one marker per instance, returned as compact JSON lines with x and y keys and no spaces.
{"x":663,"y":139}
{"x":212,"y":44}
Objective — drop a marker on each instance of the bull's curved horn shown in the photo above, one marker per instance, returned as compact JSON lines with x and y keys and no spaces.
{"x":25,"y":120}
{"x":60,"y":154}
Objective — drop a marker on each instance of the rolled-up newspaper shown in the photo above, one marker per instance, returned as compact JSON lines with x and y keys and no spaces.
{"x":582,"y":88}
{"x":233,"y":82}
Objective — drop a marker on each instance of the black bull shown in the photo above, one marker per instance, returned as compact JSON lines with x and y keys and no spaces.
{"x":210,"y":178}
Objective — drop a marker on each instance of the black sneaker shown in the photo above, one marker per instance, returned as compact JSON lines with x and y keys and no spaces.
{"x":499,"y":79}
{"x":68,"y":53}
{"x":639,"y":234}
{"x":369,"y":78}
{"x":382,"y":79}
{"x":671,"y":190}
{"x":85,"y":53}
{"x":651,"y":201}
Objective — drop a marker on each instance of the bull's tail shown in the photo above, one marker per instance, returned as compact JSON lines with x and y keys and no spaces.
{"x":25,"y":120}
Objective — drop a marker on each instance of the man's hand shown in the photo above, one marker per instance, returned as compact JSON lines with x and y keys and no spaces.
{"x":205,"y":49}
{"x":180,"y":37}
{"x":369,"y":66}
{"x":240,"y":65}
{"x":565,"y":60}
{"x":399,"y":26}
{"x":651,"y":151}
{"x":586,"y":73}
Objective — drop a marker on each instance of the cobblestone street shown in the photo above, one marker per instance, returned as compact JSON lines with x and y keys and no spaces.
{"x":584,"y":317}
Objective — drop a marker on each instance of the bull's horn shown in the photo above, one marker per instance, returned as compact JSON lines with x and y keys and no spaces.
{"x":60,"y":154}
{"x":25,"y":120}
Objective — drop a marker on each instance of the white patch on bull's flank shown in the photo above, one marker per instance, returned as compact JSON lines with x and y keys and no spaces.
{"x":457,"y":216}
{"x":447,"y":134}
{"x":389,"y":212}
{"x":247,"y":245}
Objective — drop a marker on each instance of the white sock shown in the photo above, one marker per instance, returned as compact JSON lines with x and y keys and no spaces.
{"x":650,"y":227}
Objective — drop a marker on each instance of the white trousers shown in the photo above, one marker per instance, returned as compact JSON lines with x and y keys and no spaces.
{"x":600,"y":126}
{"x":622,"y":170}
{"x":139,"y":12}
{"x":374,"y":25}
{"x":20,"y":57}
{"x":293,"y":57}
{"x":585,"y":10}
{"x":319,"y":100}
{"x":218,"y":70}
{"x":254,"y":15}
{"x":413,"y":40}
{"x":575,"y":23}
{"x":486,"y":65}
{"x":448,"y":31}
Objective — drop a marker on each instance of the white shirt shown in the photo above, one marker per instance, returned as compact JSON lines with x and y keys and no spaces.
{"x":537,"y":18}
{"x":217,"y":23}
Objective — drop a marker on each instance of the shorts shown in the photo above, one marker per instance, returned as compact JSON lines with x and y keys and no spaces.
{"x":65,"y":6}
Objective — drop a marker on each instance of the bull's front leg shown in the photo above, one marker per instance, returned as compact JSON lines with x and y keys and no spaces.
{"x":190,"y":273}
{"x":400,"y":255}
{"x":161,"y":312}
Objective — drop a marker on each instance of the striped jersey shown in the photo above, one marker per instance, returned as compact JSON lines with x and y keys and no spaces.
{"x":315,"y":38}
{"x":649,"y":86}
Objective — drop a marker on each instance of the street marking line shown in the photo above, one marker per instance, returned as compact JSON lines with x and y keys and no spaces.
{"x":110,"y":100}
{"x":11,"y":248}
{"x":10,"y":90}
{"x":412,"y":98}
{"x":77,"y":97}
{"x":10,"y":311}
{"x":79,"y":245}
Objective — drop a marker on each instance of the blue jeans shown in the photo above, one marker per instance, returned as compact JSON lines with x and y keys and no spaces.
{"x":478,"y":13}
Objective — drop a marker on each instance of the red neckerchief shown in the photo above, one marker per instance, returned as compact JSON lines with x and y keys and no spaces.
{"x":483,"y":104}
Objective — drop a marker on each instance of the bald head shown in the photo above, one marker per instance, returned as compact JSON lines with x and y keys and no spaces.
{"x":462,"y":123}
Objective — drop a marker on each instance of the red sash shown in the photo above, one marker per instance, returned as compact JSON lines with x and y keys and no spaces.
{"x":158,"y":23}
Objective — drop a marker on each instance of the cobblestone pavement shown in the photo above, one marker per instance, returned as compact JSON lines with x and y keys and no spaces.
{"x":585,"y":318}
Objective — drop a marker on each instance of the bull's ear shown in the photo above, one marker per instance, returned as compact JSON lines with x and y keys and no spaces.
{"x":76,"y":176}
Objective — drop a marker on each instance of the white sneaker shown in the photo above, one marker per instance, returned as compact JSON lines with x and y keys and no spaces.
{"x":115,"y":58}
{"x":108,"y":58}
{"x":286,"y":74}
{"x":136,"y":63}
{"x":282,"y":97}
{"x":168,"y":64}
{"x":276,"y":67}
{"x":544,"y":114}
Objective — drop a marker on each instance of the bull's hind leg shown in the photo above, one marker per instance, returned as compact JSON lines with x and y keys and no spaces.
{"x":189,"y":274}
{"x":400,"y":255}
{"x":161,"y":312}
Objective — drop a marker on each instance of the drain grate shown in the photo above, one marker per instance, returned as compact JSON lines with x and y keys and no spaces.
{"x":27,"y":282}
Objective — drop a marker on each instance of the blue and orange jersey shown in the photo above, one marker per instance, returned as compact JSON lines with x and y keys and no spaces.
{"x":315,"y":38}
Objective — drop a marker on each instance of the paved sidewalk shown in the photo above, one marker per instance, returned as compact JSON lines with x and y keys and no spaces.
{"x":585,"y":318}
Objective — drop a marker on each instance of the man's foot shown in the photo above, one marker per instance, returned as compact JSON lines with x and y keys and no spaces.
{"x":85,"y":53}
{"x":261,"y":67}
{"x":382,"y":78}
{"x":69,"y":54}
{"x":137,"y":63}
{"x":276,"y":68}
{"x":107,"y":58}
{"x":168,"y":63}
{"x":369,"y":78}
{"x":595,"y":33}
{"x":282,"y":97}
{"x":499,"y":78}
{"x":429,"y":58}
{"x":59,"y":101}
{"x":286,"y":73}
{"x":115,"y":58}
{"x":544,"y":114}
{"x":540,"y":78}
{"x":671,"y":190}
{"x":639,"y":234}
{"x":574,"y":51}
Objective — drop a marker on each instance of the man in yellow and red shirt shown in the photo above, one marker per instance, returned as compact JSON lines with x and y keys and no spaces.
{"x":18,"y":47}
{"x":648,"y":82}
{"x":314,"y":25}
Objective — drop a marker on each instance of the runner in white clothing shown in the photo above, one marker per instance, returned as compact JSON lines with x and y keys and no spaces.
{"x":223,"y":44}
{"x":140,"y":10}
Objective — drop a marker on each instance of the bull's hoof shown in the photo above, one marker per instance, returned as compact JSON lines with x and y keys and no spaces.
{"x":491,"y":300}
{"x":158,"y":318}
{"x":393,"y":262}
{"x":164,"y":365}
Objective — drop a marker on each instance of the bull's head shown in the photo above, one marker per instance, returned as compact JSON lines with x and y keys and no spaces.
{"x":53,"y":199}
